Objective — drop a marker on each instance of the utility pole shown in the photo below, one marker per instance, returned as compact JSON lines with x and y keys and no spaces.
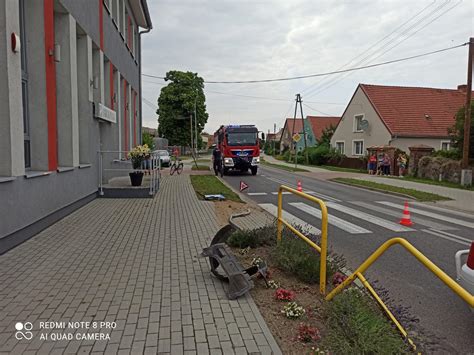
{"x":293,"y":143}
{"x":195,"y":124}
{"x":304,"y":130}
{"x":274,"y":138}
{"x":191,"y":130}
{"x":466,"y":173}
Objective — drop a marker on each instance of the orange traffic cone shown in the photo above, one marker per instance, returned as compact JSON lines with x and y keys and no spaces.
{"x":406,"y":221}
{"x":299,"y":187}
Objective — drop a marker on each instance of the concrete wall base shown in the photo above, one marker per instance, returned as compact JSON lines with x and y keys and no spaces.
{"x":466,"y":177}
{"x":12,"y":240}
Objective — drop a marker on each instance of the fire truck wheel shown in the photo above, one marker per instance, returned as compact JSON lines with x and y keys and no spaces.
{"x":254,"y":170}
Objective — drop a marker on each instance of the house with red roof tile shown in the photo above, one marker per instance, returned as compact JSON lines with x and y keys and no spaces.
{"x":314,"y":127}
{"x":397,"y":116}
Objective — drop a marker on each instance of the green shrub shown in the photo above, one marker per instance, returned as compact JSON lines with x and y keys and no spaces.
{"x":297,"y":257}
{"x":356,"y":326}
{"x":453,"y":153}
{"x":319,"y":155}
{"x":253,"y":238}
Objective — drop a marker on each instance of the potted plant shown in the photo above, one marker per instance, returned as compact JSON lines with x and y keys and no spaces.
{"x":137,"y":155}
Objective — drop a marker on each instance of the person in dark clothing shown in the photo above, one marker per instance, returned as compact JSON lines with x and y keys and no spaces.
{"x":216,"y":158}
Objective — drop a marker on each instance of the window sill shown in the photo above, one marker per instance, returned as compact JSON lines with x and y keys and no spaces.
{"x":7,"y":178}
{"x":84,"y":166}
{"x":33,"y":174}
{"x":63,"y":169}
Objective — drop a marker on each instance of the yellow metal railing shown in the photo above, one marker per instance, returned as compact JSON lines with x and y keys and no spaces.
{"x":323,"y":249}
{"x":358,"y":273}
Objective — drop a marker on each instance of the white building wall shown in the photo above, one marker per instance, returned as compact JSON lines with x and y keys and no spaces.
{"x":376,"y":134}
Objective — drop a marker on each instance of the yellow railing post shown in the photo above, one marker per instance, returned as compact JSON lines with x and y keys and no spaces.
{"x":324,"y":231}
{"x":324,"y":248}
{"x":279,"y":218}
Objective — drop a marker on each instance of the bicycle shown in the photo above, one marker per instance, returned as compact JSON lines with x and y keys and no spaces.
{"x":176,"y":166}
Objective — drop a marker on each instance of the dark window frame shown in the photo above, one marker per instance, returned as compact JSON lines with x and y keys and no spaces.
{"x":24,"y":88}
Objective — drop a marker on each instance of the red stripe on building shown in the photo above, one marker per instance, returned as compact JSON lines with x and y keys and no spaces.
{"x":125,"y":116}
{"x":134,"y":118}
{"x":101,"y":23}
{"x":112,"y":86}
{"x":50,"y":68}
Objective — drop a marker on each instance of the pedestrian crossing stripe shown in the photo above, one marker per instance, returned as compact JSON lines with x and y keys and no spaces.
{"x":333,"y":220}
{"x":273,"y":210}
{"x":395,"y":227}
{"x":430,"y":214}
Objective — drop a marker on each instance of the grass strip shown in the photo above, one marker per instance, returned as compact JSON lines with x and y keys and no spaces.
{"x":283,"y":167}
{"x":356,"y":326}
{"x":419,"y":195}
{"x":433,"y":182}
{"x":200,"y":167}
{"x":210,"y":185}
{"x":341,"y":169}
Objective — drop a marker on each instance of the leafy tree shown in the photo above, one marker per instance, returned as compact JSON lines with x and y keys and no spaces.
{"x":147,"y":139}
{"x":457,"y":131}
{"x":326,"y":135}
{"x":176,"y":104}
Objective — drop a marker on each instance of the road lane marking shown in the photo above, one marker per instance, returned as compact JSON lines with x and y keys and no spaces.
{"x":284,"y":193}
{"x":270,"y":207}
{"x":256,"y":193}
{"x":314,"y":193}
{"x":396,"y":214}
{"x":430,"y":214}
{"x":445,"y":237}
{"x":369,"y":218}
{"x":444,"y":209}
{"x":335,"y":221}
{"x":453,"y":235}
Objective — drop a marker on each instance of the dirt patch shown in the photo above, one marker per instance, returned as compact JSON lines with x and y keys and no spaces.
{"x":224,"y":209}
{"x":284,"y":330}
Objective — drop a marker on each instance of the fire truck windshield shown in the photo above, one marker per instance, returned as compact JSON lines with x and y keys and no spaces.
{"x":242,"y":138}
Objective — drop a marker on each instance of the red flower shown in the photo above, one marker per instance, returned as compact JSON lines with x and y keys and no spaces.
{"x":307,"y":334}
{"x":284,"y":295}
{"x":338,"y":278}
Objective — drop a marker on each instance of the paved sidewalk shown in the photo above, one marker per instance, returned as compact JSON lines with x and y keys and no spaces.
{"x":134,"y":262}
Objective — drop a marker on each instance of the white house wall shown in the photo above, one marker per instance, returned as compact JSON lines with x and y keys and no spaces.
{"x":376,"y":134}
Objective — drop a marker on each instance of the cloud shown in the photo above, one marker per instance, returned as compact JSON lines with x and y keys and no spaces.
{"x":242,"y":40}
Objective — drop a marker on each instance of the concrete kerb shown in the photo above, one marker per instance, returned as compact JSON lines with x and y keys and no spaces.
{"x":399,"y":194}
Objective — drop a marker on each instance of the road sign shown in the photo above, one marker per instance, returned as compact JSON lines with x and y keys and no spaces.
{"x":243,"y":186}
{"x":296,"y":137}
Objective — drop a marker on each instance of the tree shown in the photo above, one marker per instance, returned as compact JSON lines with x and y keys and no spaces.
{"x":457,"y":132}
{"x":326,"y":135}
{"x":176,"y":104}
{"x":147,"y":139}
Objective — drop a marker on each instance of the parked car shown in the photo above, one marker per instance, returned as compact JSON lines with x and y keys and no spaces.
{"x":164,"y":157}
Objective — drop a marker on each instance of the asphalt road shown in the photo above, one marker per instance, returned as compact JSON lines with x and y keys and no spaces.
{"x":365,"y":219}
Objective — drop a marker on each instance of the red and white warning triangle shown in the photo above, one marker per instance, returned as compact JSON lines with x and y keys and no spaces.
{"x":243,"y":186}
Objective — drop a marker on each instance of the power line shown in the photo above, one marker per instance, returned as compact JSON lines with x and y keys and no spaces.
{"x":370,"y":57}
{"x":321,"y":112}
{"x":331,"y":72}
{"x":373,"y":45}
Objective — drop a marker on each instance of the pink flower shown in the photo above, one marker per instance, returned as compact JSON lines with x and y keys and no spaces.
{"x":284,"y":295}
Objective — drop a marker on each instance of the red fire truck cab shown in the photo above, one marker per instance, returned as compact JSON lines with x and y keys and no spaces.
{"x":239,"y":146}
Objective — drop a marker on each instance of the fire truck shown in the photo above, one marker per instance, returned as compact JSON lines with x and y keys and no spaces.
{"x":239,"y":146}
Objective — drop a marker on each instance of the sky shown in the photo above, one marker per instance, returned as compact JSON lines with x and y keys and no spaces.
{"x":235,"y":40}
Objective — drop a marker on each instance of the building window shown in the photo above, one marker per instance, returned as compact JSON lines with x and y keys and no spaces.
{"x":445,"y":145}
{"x":340,"y":147}
{"x":24,"y":87}
{"x":357,"y":123}
{"x":358,"y":148}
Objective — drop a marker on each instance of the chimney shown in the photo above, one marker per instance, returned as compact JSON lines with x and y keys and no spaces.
{"x":462,"y":88}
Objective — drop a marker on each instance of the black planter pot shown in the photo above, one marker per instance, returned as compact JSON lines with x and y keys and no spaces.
{"x":136,"y":178}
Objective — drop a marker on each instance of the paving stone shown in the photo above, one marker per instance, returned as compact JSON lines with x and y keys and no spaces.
{"x":134,"y":262}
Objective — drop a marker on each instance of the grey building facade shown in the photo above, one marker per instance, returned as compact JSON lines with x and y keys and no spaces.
{"x":70,"y":86}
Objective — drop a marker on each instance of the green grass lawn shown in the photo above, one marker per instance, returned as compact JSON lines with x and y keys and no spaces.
{"x":203,"y":160}
{"x":419,"y":195}
{"x":434,"y":182}
{"x":211,"y":185}
{"x":283,"y":167}
{"x":200,"y":167}
{"x":337,"y":168}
